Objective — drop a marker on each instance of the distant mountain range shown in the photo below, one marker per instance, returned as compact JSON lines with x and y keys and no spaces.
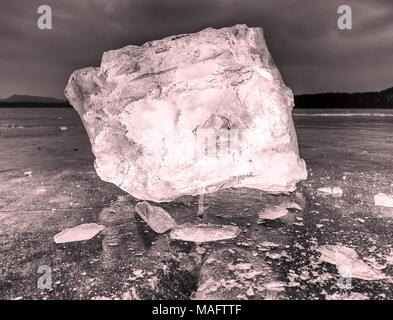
{"x":380,"y":99}
{"x":27,"y":98}
{"x":26,"y":101}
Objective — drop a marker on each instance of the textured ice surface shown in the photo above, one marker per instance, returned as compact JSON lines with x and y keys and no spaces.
{"x":190,"y":114}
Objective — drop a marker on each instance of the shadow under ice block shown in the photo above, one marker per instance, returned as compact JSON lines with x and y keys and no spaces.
{"x":190,"y":114}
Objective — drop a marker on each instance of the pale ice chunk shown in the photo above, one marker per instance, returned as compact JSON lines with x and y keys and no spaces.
{"x":348,"y":263}
{"x":157,"y":218}
{"x":383,"y":200}
{"x":81,"y":232}
{"x":204,"y":233}
{"x":273,"y":213}
{"x":335,"y":191}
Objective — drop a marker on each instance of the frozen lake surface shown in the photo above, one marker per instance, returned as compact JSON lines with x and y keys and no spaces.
{"x":48,"y":183}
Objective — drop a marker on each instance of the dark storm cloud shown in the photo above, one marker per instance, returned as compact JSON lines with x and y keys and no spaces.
{"x":311,"y":52}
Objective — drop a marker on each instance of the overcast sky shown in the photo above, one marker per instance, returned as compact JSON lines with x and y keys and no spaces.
{"x":312,"y":54}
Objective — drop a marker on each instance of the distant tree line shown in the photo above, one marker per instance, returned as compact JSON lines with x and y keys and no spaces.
{"x":382,"y":99}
